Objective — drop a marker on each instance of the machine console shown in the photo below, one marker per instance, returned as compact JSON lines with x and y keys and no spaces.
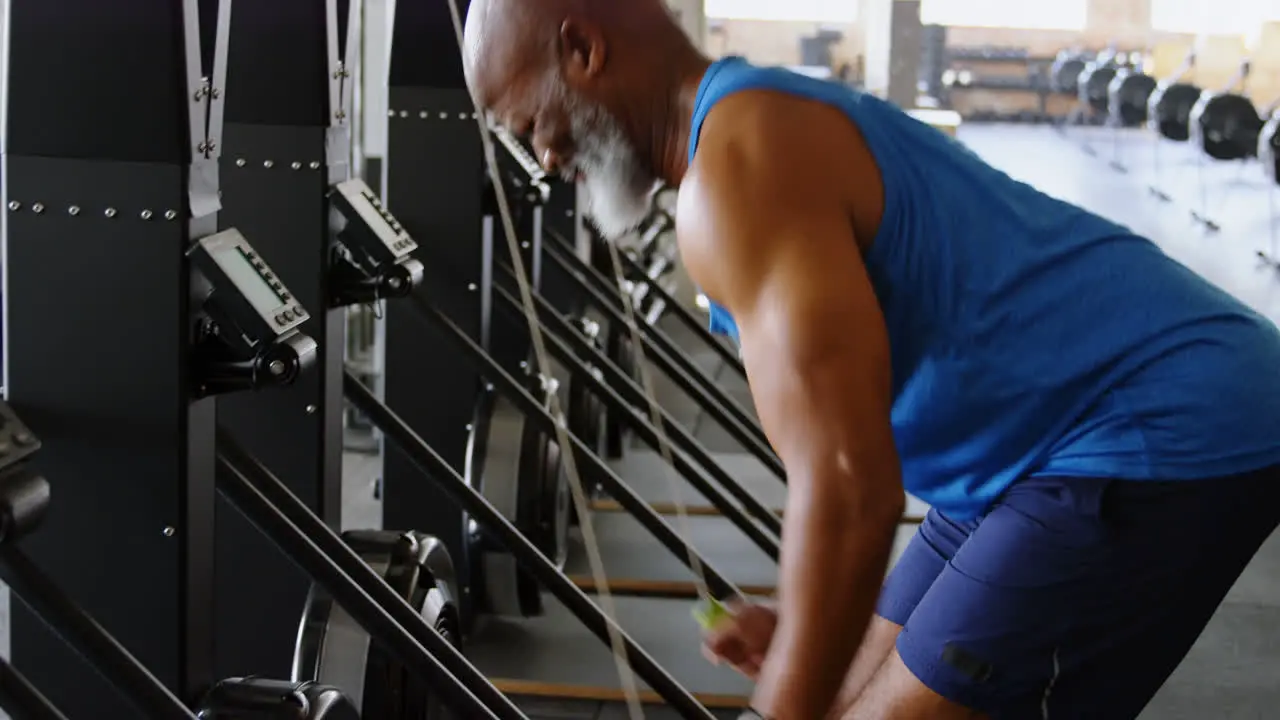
{"x":537,"y":176}
{"x":371,"y":229}
{"x":245,"y":287}
{"x":17,"y":442}
{"x":251,"y":336}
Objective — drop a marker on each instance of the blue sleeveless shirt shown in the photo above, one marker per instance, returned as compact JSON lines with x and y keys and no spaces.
{"x":1029,"y":336}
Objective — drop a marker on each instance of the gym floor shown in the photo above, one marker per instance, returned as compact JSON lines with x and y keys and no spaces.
{"x":1233,"y":673}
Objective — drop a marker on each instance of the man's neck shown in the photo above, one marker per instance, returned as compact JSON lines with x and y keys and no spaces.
{"x":670,"y":143}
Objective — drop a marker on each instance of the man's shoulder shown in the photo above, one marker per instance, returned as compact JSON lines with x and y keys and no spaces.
{"x":773,"y":141}
{"x":764,"y":150}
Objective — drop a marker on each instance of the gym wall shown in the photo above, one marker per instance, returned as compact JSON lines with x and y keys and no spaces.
{"x":1124,"y":21}
{"x":776,"y":42}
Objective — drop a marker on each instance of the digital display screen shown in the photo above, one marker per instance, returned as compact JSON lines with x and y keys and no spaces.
{"x":236,"y":263}
{"x":388,"y":234}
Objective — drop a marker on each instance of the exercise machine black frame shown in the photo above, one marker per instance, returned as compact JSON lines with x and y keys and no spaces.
{"x":322,"y":554}
{"x":574,"y":599}
{"x":287,"y":140}
{"x":603,"y":296}
{"x":110,"y":173}
{"x":622,"y":395}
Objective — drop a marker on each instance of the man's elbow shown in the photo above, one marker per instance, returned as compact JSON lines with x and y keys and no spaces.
{"x":856,"y":503}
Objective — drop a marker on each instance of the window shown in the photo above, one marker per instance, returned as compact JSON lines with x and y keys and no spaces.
{"x":1197,"y":16}
{"x":1028,"y":14}
{"x":821,"y":11}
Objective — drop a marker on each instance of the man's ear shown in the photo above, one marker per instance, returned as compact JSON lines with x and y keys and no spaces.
{"x":582,"y":51}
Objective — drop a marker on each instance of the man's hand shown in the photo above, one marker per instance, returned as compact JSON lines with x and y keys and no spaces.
{"x":742,"y":640}
{"x":768,"y":221}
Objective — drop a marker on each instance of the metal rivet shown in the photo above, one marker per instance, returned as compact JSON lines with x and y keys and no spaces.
{"x":468,"y":427}
{"x":37,"y":208}
{"x":462,"y":116}
{"x":240,"y":162}
{"x":444,"y":116}
{"x":170,"y":214}
{"x":169,"y":531}
{"x":475,"y":116}
{"x":295,"y":165}
{"x":525,"y":244}
{"x":109,"y":212}
{"x":14,"y":205}
{"x":471,"y":287}
{"x":568,"y":213}
{"x":73,"y":210}
{"x":268,"y":163}
{"x":146,"y":214}
{"x":488,"y":387}
{"x":423,"y":114}
{"x":404,"y":113}
{"x":311,"y":409}
{"x":315,"y":165}
{"x":391,"y":113}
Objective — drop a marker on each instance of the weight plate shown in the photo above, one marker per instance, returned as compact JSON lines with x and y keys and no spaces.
{"x":1169,"y":110}
{"x":247,"y":698}
{"x":1127,"y":98}
{"x":1065,"y":73}
{"x":333,"y":649}
{"x":1269,"y":147}
{"x":1093,"y":84}
{"x":1225,"y":126}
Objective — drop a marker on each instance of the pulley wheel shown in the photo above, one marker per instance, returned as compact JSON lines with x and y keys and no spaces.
{"x":621,"y":351}
{"x":1269,"y":147}
{"x":261,"y":699}
{"x":518,"y":470}
{"x":587,"y":422}
{"x":545,"y":508}
{"x":334,"y":650}
{"x":1093,"y":85}
{"x":587,"y":414}
{"x":1169,"y":110}
{"x":1127,"y":98}
{"x":1226,"y":126}
{"x":586,"y":410}
{"x":556,"y":503}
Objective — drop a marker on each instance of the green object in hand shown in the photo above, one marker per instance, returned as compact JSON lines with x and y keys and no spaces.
{"x":710,"y":612}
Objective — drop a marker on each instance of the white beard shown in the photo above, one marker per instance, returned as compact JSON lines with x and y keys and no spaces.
{"x":617,"y":187}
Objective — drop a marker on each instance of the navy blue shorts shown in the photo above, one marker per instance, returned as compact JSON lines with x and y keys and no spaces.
{"x":1073,"y":597}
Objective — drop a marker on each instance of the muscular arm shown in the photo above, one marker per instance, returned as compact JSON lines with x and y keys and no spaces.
{"x":766,"y":231}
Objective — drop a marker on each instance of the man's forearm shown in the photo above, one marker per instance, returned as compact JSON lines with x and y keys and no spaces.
{"x":833,"y":563}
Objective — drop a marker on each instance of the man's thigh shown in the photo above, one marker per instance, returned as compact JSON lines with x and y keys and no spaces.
{"x":936,"y":541}
{"x":1078,"y":597}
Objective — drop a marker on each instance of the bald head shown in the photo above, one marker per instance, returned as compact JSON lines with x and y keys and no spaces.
{"x":591,"y":83}
{"x":498,"y":31}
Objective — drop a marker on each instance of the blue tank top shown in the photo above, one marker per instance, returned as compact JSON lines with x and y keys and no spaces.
{"x":1029,"y":336}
